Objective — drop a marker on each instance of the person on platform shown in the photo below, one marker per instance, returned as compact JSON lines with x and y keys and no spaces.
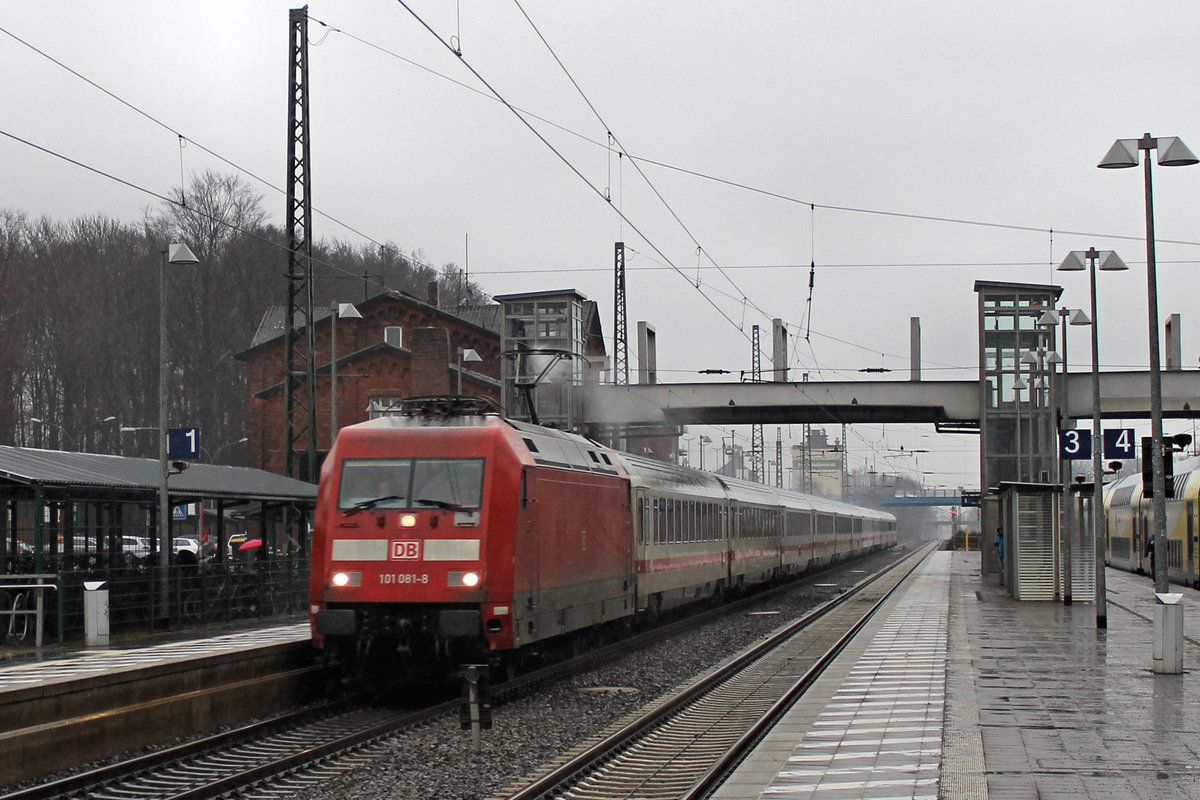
{"x":999,"y":545}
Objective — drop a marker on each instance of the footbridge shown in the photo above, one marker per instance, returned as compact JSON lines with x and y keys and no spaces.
{"x":951,"y":406}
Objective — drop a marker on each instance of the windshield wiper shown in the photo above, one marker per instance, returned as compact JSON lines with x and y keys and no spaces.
{"x":374,"y":501}
{"x":446,"y":504}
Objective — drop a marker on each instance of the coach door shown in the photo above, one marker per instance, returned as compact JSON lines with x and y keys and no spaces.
{"x":1190,"y":541}
{"x":526,"y":567}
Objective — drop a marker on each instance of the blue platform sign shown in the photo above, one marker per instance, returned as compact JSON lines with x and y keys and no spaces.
{"x":1120,"y":443}
{"x":179,"y":512}
{"x":1075,"y":445}
{"x":183,"y":444}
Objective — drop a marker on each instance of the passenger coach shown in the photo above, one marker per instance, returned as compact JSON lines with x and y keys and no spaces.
{"x":1131,"y":521}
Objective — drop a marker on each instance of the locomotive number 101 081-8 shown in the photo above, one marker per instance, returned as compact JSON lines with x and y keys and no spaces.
{"x":401,"y":578}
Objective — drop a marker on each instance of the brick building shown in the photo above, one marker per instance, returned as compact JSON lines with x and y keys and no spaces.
{"x":402,"y":347}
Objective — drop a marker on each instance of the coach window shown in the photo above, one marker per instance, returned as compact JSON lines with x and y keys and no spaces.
{"x":824,"y":527}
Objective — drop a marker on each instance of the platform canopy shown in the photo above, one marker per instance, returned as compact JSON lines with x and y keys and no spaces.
{"x":57,"y":469}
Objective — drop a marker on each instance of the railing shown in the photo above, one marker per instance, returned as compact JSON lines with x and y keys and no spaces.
{"x":15,"y":593}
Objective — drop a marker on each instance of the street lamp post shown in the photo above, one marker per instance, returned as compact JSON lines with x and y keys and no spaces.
{"x":1109,"y":261}
{"x":217,"y":453}
{"x":1171,"y":153}
{"x":178,"y":254}
{"x":1019,"y":385}
{"x":340,"y":311}
{"x":77,"y":439}
{"x":703,"y":441}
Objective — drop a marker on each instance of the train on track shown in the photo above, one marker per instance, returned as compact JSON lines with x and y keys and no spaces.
{"x":1130,"y":524}
{"x":446,"y":534}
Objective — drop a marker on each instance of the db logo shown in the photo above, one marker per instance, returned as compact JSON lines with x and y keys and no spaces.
{"x":406,"y":550}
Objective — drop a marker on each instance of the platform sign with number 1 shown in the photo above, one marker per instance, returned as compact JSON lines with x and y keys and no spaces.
{"x":183,"y":444}
{"x":1075,"y":445}
{"x":1120,"y":443}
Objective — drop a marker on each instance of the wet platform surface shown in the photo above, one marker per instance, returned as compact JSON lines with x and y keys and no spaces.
{"x":63,"y":664}
{"x":958,"y":691}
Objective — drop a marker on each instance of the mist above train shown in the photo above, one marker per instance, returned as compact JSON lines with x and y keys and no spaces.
{"x":446,"y":534}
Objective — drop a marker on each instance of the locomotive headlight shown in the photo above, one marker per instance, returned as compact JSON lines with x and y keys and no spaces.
{"x":408,"y":521}
{"x":467,"y":579}
{"x":340,"y":579}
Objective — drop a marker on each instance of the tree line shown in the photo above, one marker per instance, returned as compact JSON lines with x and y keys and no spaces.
{"x":80,"y":310}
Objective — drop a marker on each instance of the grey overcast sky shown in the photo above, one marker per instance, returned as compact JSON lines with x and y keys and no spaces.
{"x":907,"y":149}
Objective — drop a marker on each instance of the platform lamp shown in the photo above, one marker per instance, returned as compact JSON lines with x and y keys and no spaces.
{"x":339,"y":311}
{"x":465,"y":354}
{"x":1108,"y":261}
{"x":1172,"y":152}
{"x":178,"y":254}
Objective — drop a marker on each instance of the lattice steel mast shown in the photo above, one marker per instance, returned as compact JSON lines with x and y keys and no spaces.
{"x":620,"y":374}
{"x":299,"y":367}
{"x":756,"y":430}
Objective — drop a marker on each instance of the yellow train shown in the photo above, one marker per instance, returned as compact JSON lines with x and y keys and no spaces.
{"x":1130,"y":523}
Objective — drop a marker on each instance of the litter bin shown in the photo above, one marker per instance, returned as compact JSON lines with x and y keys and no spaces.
{"x":1168,"y":634}
{"x":95,"y":613}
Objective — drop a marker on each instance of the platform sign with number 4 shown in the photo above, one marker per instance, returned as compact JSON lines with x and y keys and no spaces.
{"x":1075,"y":445}
{"x":1120,"y":443}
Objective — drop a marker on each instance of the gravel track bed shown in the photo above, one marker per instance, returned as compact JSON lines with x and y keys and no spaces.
{"x":437,"y":762}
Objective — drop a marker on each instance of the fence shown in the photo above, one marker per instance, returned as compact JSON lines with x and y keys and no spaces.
{"x":196,"y":595}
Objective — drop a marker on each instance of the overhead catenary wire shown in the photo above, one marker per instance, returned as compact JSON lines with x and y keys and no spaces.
{"x":176,"y":203}
{"x":557,"y":153}
{"x":741,"y":299}
{"x":644,"y":176}
{"x":183,"y":141}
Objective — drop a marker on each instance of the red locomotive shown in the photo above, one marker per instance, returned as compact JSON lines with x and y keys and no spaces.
{"x":446,"y":534}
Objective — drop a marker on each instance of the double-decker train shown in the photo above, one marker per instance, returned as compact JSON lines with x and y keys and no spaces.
{"x":1131,"y":522}
{"x":446,"y":534}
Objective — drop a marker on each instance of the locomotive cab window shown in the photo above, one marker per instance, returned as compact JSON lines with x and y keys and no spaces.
{"x":411,"y":483}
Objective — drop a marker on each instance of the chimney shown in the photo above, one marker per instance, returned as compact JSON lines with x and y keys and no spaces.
{"x":431,"y":290}
{"x":430,"y":349}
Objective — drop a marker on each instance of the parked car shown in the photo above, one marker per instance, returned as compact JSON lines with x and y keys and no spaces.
{"x":135,"y":549}
{"x":184,"y":544}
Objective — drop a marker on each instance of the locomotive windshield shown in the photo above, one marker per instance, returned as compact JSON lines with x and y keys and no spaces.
{"x":455,"y":483}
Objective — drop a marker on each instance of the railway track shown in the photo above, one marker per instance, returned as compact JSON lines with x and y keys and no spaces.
{"x":290,"y":752}
{"x":681,"y":747}
{"x":272,"y":750}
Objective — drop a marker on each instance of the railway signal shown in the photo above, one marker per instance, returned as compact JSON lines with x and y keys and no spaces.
{"x":1170,"y":445}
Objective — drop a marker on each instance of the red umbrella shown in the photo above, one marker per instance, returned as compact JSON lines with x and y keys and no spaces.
{"x":250,"y":544}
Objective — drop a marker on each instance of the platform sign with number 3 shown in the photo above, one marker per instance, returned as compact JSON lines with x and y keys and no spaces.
{"x":1075,"y":445}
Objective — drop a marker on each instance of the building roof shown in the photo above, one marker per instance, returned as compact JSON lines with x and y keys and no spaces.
{"x":60,"y":469}
{"x":1006,"y":286}
{"x":271,"y":327}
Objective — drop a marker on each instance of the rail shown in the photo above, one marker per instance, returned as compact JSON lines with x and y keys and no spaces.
{"x":17,"y":609}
